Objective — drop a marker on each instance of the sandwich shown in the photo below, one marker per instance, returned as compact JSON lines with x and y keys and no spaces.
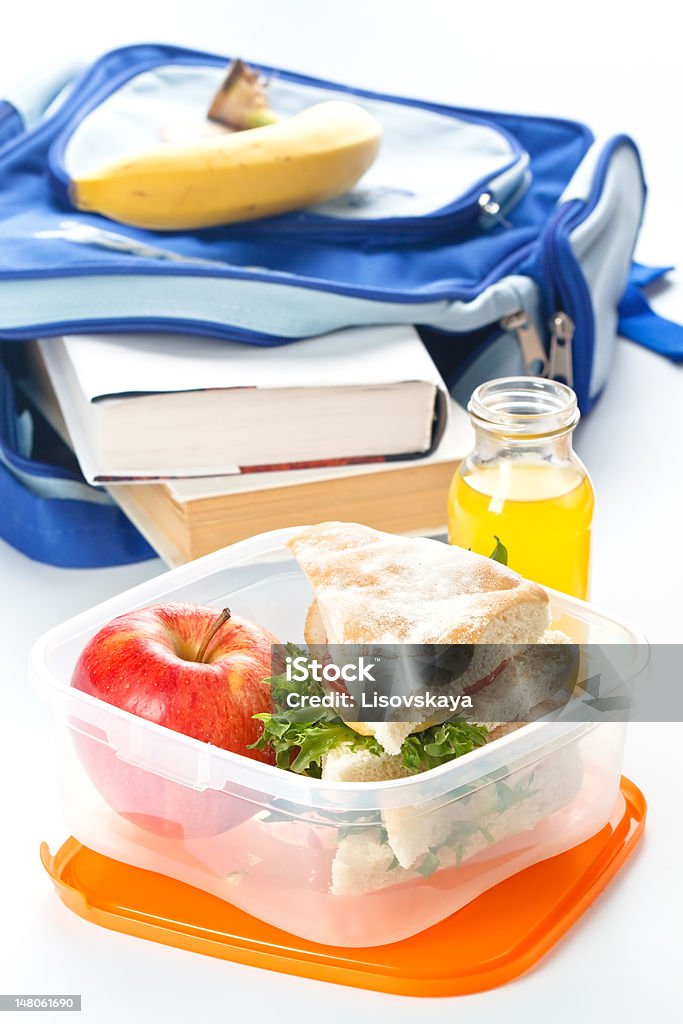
{"x":371,"y":588}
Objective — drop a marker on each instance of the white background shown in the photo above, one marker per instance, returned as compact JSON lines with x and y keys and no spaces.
{"x":617,"y":67}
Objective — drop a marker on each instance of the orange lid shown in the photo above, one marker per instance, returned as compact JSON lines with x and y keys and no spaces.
{"x":492,"y":940}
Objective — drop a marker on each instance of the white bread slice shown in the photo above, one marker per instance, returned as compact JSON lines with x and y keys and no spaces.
{"x":389,"y":734}
{"x":544,"y":674}
{"x":551,"y":784}
{"x":343,"y":764}
{"x":363,"y":863}
{"x":374,"y":587}
{"x":456,"y":832}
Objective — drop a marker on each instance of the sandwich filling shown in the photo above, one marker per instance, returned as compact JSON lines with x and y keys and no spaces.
{"x":309,"y":742}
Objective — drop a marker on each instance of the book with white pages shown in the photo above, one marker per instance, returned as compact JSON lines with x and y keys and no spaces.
{"x":184,"y":519}
{"x":187,"y":518}
{"x":142,"y":407}
{"x":457,"y":441}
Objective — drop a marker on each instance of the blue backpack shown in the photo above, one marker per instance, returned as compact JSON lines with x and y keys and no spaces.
{"x":507,"y":239}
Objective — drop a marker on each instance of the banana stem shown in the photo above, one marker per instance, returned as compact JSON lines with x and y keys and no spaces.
{"x":241,"y":101}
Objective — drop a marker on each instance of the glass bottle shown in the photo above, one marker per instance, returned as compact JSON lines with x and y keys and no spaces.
{"x":524,"y":484}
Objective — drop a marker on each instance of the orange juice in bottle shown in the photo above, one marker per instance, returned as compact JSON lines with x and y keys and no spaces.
{"x":524,"y":484}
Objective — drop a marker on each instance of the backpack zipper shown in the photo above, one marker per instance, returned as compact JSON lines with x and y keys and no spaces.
{"x":556,"y":366}
{"x":533,"y":352}
{"x":561,"y":338}
{"x":568,"y":290}
{"x":490,"y":207}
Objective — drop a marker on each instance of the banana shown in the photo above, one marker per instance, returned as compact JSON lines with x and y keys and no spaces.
{"x":301,"y":160}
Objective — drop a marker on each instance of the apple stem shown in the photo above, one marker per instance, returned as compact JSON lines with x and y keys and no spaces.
{"x":219,"y":621}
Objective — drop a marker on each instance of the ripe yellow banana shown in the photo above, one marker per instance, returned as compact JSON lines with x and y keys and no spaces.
{"x":305,"y":159}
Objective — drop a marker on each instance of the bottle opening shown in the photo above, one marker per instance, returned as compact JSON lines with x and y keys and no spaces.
{"x":524,"y":406}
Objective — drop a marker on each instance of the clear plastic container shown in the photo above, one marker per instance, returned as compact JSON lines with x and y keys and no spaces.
{"x":345,"y":864}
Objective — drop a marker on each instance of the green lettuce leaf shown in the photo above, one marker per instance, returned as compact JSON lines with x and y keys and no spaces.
{"x":301,"y":737}
{"x":500,"y":552}
{"x":441,"y":743}
{"x":300,"y":746}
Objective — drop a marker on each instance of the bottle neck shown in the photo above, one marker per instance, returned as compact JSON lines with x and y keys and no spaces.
{"x":490,"y":445}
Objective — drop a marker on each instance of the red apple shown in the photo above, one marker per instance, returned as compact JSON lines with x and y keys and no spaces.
{"x":190,"y":670}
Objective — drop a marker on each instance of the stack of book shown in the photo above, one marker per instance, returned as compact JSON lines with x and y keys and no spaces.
{"x":203,"y":442}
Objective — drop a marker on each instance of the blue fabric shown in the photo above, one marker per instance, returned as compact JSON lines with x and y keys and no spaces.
{"x":639,"y":322}
{"x":72,"y":534}
{"x":11,"y":123}
{"x":642,"y":275}
{"x":445,"y":267}
{"x":61,"y":531}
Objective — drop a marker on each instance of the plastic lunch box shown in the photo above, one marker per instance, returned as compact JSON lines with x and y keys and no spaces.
{"x":345,"y":864}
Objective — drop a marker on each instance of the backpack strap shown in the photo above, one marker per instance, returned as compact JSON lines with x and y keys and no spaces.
{"x":638,"y":320}
{"x":72,"y":533}
{"x":50,"y":513}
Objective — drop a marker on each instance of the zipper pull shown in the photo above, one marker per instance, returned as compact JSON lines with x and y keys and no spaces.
{"x":561,"y":337}
{"x":488,"y":205}
{"x":533,"y":353}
